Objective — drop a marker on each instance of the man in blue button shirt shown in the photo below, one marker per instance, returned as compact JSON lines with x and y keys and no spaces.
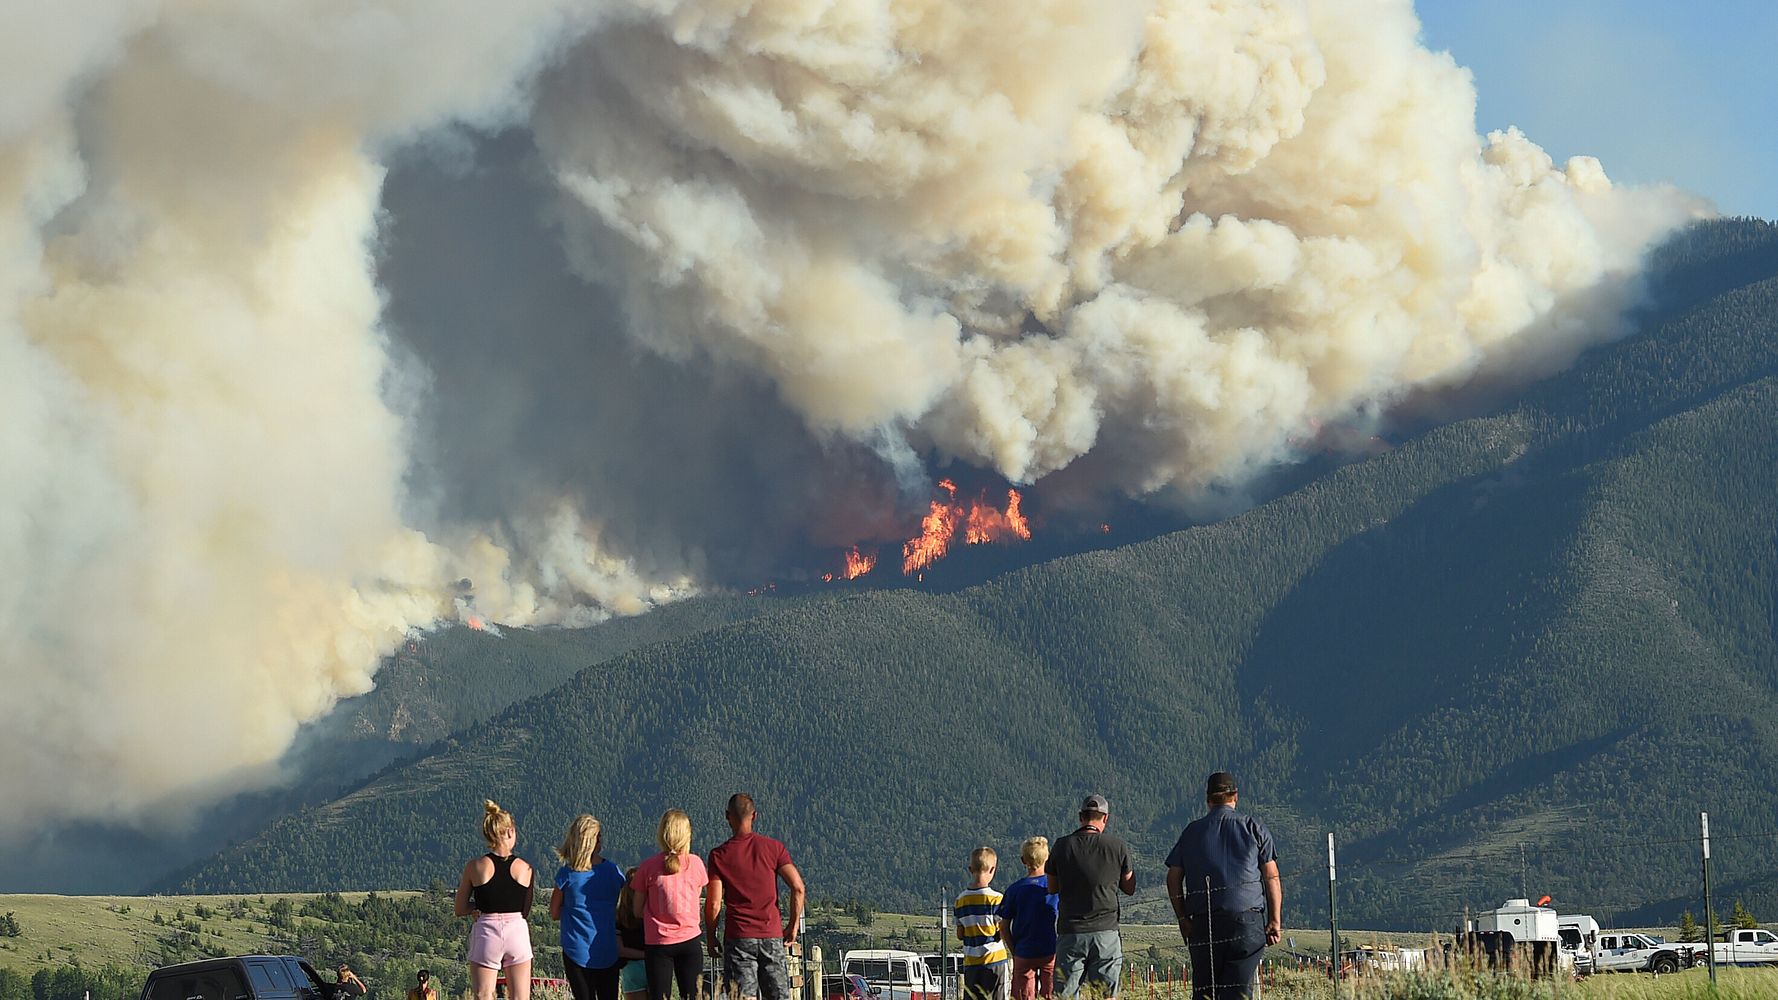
{"x":1222,"y":877}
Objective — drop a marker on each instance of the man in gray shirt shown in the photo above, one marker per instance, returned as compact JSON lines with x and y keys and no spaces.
{"x":1087,"y":869}
{"x":1222,"y":877}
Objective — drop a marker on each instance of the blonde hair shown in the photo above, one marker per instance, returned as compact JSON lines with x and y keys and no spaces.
{"x":1035,"y":852}
{"x":580,"y":843}
{"x":495,"y":821}
{"x":982,"y":858}
{"x":674,"y":836}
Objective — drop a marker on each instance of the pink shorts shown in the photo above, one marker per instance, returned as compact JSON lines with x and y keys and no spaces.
{"x":499,"y":941}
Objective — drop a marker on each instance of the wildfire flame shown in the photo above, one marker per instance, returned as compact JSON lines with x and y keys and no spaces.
{"x":979,"y":522}
{"x":858,"y":563}
{"x":476,"y":623}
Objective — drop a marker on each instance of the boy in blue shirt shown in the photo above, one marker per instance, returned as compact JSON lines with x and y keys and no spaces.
{"x":1028,"y":919}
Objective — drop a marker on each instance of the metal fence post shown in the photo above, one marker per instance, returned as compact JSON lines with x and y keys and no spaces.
{"x":1333,"y":924}
{"x":944,"y":947}
{"x":1709,"y":919}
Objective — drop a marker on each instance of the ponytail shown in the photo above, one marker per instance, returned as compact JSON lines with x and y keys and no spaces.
{"x":674,"y":836}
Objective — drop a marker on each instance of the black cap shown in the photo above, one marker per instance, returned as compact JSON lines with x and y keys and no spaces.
{"x":1095,"y":803}
{"x":1221,"y":783}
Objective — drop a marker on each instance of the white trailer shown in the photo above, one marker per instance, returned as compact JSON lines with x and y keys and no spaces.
{"x":1520,"y":933}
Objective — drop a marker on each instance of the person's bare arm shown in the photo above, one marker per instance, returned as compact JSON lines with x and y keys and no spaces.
{"x":1128,"y":882}
{"x":1176,"y":896}
{"x":1273,"y":886}
{"x":793,"y":879}
{"x":712,"y":908}
{"x":523,"y":874}
{"x":463,"y":907}
{"x":555,"y":904}
{"x":638,"y":901}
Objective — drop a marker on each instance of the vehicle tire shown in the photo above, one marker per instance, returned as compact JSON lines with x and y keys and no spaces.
{"x":1700,"y":960}
{"x":1665,"y":965}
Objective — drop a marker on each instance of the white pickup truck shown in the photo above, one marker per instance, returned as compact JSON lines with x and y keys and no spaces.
{"x":1747,"y":947}
{"x":1630,"y":951}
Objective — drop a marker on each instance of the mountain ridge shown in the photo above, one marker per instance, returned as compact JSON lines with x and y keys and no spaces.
{"x":1478,"y":591}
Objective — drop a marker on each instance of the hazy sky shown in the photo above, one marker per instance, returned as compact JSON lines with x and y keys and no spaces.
{"x":1658,"y":90}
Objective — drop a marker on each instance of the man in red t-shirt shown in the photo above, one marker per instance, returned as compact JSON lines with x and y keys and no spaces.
{"x":744,"y":873}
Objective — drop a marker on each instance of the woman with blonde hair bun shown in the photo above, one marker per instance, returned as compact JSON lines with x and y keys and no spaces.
{"x":496,"y":891}
{"x":668,"y":888}
{"x":585,"y":902}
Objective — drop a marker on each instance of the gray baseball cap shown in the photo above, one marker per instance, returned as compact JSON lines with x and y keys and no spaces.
{"x":1095,"y":803}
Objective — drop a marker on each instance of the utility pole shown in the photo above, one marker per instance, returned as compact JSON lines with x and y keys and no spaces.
{"x":1524,"y":893}
{"x":1709,"y":920}
{"x":1333,"y":924}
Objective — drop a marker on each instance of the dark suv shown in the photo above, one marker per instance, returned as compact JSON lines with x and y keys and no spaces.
{"x":250,"y":977}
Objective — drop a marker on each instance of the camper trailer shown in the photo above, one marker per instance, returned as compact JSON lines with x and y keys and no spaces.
{"x":1517,"y":936}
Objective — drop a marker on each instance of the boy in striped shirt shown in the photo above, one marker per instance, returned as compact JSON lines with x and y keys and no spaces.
{"x":985,"y":958}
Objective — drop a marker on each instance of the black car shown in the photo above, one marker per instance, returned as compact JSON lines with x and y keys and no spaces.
{"x":249,"y":977}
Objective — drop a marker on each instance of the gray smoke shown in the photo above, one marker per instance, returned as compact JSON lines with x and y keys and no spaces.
{"x":323,"y":323}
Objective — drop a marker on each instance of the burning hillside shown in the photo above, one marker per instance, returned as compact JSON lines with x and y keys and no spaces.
{"x":948,"y":522}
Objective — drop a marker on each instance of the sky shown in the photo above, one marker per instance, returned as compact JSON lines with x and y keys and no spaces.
{"x":1657,"y":90}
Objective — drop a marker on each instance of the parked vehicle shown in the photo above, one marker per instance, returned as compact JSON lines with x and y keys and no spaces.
{"x":901,"y":975}
{"x":1757,"y":946}
{"x":1633,"y":951}
{"x":1580,"y":938}
{"x":847,"y":988}
{"x":248,"y":977}
{"x":944,"y":965}
{"x":1517,"y":936}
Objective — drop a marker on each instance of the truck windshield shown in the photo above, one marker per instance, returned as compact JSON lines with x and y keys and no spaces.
{"x":876,"y":970}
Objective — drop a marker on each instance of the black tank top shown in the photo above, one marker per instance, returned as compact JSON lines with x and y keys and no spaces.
{"x":501,"y":893}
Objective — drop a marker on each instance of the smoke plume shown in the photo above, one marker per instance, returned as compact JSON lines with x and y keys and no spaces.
{"x":322,"y":323}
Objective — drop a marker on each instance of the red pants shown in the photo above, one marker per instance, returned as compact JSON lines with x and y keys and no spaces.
{"x":1033,"y":977}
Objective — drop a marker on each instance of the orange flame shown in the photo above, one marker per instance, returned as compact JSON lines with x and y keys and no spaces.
{"x":986,"y":524}
{"x":936,"y":529}
{"x":858,"y":563}
{"x":475,"y":623}
{"x":979,"y":523}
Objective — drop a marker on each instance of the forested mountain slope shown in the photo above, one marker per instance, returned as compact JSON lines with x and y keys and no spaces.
{"x":1519,"y":649}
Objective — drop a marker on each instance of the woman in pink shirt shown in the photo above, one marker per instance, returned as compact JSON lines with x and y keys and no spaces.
{"x":668,"y":891}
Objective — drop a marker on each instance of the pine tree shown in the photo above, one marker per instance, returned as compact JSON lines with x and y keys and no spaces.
{"x":1742,"y":918}
{"x":1688,"y":927}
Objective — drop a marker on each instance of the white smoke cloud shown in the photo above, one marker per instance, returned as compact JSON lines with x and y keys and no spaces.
{"x":1178,"y":234}
{"x":1020,"y":231}
{"x":201,"y":505}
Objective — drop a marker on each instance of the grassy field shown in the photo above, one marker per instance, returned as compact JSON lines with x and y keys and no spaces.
{"x":95,"y":930}
{"x":59,"y":931}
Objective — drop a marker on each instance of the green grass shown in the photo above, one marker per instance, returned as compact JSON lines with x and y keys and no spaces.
{"x":1734,"y":984}
{"x":99,"y":930}
{"x":95,"y":930}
